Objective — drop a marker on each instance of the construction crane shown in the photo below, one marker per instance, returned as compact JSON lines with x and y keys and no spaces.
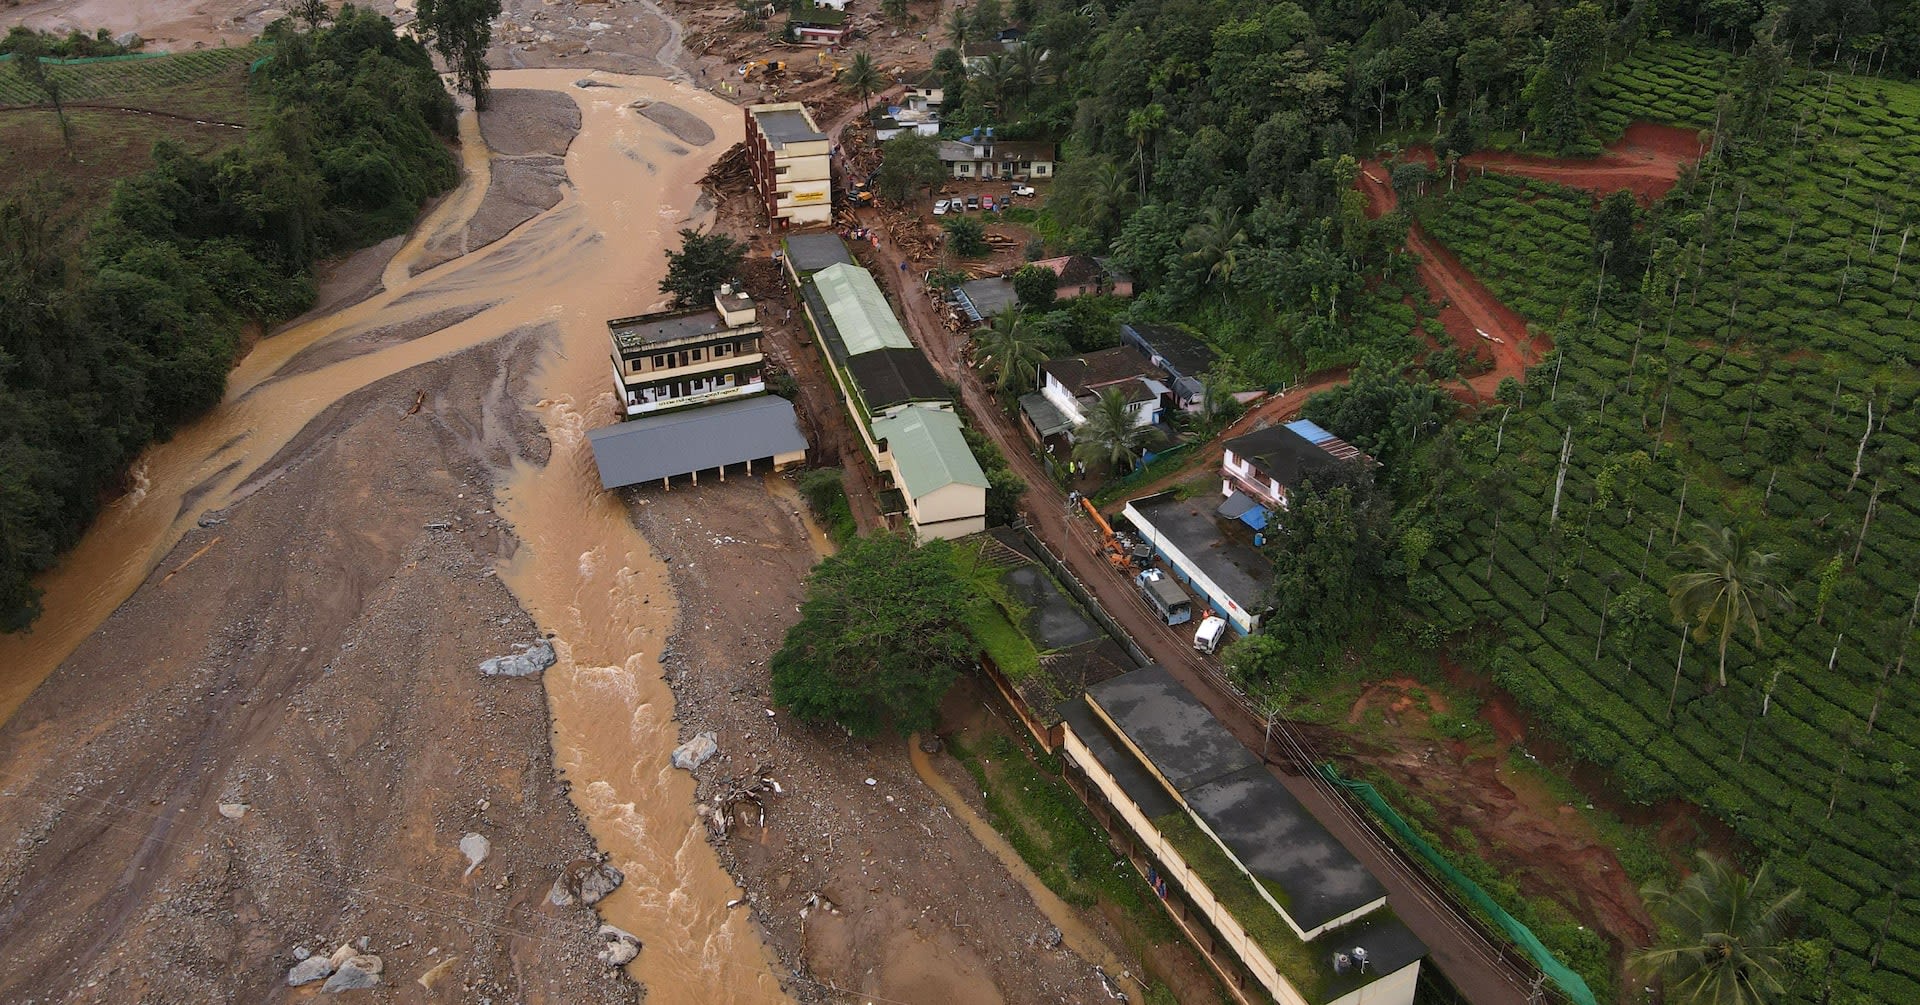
{"x":1109,"y":544}
{"x":762,"y":65}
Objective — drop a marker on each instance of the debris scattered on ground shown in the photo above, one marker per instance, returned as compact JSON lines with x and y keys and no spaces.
{"x":233,"y":811}
{"x":475,"y":847}
{"x":358,"y":973}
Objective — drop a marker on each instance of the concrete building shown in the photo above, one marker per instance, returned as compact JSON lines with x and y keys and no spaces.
{"x":1279,"y":906}
{"x":900,"y":406}
{"x":1213,"y":555}
{"x":1074,"y":384}
{"x":819,"y":26}
{"x":680,"y":358}
{"x":980,"y":156}
{"x":792,"y":164}
{"x":1263,"y":465}
{"x":944,"y":488}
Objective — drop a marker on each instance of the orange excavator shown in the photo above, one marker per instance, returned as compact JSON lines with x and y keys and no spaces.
{"x":1109,"y":544}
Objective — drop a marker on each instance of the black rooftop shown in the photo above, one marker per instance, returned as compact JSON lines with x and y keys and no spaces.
{"x":1086,"y":373}
{"x":889,"y":377}
{"x":1141,"y":787}
{"x":1222,"y":549}
{"x":1182,"y":349}
{"x":1182,"y":740}
{"x":1313,"y":876}
{"x":1281,"y":454}
{"x":1389,"y":943}
{"x":809,"y":253}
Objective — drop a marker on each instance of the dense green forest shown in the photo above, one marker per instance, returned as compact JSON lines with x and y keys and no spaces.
{"x":110,"y":341}
{"x":1732,"y":398}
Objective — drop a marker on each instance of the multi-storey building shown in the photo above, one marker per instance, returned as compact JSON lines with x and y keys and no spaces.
{"x":688,"y":357}
{"x":792,"y":164}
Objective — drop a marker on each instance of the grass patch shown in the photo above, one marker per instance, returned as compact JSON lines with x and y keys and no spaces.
{"x":994,"y":616}
{"x":1295,"y":960}
{"x":826,"y":493}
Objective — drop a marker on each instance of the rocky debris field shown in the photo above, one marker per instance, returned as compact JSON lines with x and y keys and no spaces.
{"x":281,"y":748}
{"x":861,"y":878}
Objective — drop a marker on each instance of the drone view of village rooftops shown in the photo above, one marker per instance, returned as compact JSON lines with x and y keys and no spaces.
{"x":959,"y":501}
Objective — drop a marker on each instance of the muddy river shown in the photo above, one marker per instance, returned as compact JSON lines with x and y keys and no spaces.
{"x":581,"y":571}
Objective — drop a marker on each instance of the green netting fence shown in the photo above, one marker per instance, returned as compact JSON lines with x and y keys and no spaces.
{"x":1558,"y":972}
{"x":78,"y":60}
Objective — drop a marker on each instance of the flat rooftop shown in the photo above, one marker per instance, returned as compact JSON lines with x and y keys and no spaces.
{"x":787,"y":125}
{"x":1182,"y":349}
{"x":672,"y":326}
{"x":1267,"y":829}
{"x":1180,"y":738}
{"x":1079,"y":652}
{"x":1139,"y":785}
{"x":1223,"y":549}
{"x":812,"y":252}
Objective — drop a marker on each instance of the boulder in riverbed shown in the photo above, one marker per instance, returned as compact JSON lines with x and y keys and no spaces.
{"x":357,"y":974}
{"x":622,"y":946}
{"x":530,"y":660}
{"x":587,"y":881}
{"x":696,"y":751}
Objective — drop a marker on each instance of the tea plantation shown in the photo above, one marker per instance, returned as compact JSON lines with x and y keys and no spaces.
{"x":1758,"y":371}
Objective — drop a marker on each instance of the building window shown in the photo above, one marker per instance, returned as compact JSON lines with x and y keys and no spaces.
{"x":722,"y":349}
{"x":660,"y":362}
{"x":696,"y":355}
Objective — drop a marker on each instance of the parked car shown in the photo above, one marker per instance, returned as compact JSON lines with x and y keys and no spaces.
{"x":940,"y":207}
{"x":1211,"y":631}
{"x":973,"y":202}
{"x":986,"y":203}
{"x":1023,"y":190}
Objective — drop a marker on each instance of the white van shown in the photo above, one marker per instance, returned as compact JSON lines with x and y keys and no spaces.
{"x":1207,"y":637}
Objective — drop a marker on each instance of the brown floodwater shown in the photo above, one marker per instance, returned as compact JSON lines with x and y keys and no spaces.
{"x":582,"y":571}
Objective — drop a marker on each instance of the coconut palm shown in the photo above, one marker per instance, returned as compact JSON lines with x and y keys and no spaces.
{"x":1720,"y":935}
{"x":1727,"y":586}
{"x":1214,"y":243}
{"x":959,"y":26}
{"x":1110,"y":433}
{"x":862,"y":77}
{"x":1008,"y":350}
{"x":1144,"y":124}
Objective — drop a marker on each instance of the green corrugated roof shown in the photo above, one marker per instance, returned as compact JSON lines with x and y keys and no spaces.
{"x":928,"y":450}
{"x":859,"y":311}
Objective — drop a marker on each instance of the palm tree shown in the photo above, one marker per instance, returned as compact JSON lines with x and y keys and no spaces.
{"x":1030,"y":70}
{"x":959,"y":25}
{"x":862,"y":77}
{"x":1719,"y":936}
{"x":1008,"y":350}
{"x":1728,"y":586}
{"x":1110,"y":433}
{"x":1215,"y":243}
{"x":1144,"y":124}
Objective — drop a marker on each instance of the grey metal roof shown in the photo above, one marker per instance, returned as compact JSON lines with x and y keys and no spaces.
{"x":695,"y":438}
{"x":1277,"y":840}
{"x":1389,"y":943}
{"x":813,"y":252}
{"x":985,"y":298}
{"x":1183,"y":740}
{"x":1222,"y":550}
{"x":1088,"y":372}
{"x":1046,"y":417}
{"x":787,"y":125}
{"x":1140,"y":786}
{"x":1182,"y":351}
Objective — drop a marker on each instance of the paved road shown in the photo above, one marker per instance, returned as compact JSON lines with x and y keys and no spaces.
{"x":1466,"y":958}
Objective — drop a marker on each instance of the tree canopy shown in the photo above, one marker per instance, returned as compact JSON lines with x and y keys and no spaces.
{"x":461,"y":31}
{"x":882,"y":635}
{"x":703,"y":262}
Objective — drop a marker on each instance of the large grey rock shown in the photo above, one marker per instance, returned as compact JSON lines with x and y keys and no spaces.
{"x":529,"y":661}
{"x":622,"y":946}
{"x":357,"y":974}
{"x":475,"y":847}
{"x":587,"y":881}
{"x":311,"y":969}
{"x":696,"y":751}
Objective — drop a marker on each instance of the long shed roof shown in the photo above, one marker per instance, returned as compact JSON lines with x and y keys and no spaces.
{"x":694,"y":439}
{"x":860,"y":312}
{"x":928,"y":450}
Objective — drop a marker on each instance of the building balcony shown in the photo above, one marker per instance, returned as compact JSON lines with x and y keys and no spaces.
{"x":1259,"y":489}
{"x":648,"y":401}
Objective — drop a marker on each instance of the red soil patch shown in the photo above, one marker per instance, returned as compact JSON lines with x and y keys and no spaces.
{"x":1398,"y":696}
{"x":1645,"y":161}
{"x":1473,"y":317}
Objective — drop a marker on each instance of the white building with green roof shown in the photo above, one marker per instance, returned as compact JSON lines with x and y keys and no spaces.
{"x":945,"y":490}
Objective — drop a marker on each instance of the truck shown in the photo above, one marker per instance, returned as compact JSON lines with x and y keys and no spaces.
{"x":1206,"y":638}
{"x":1165,"y":596}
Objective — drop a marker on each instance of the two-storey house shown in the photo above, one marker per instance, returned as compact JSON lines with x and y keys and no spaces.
{"x":688,"y":357}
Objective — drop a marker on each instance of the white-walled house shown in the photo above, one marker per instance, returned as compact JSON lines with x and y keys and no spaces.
{"x":1074,"y":384}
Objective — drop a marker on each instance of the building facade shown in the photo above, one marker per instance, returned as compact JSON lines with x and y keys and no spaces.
{"x":1074,"y":384}
{"x":980,"y":156}
{"x":680,"y":358}
{"x":791,"y":160}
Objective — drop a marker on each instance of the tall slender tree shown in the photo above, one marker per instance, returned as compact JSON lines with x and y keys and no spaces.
{"x":862,"y":78}
{"x":461,"y":31}
{"x":27,"y":50}
{"x":1720,"y":936}
{"x":1729,"y":585}
{"x":1008,"y":350}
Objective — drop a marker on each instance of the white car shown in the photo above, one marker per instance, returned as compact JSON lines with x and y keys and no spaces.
{"x":940,"y":207}
{"x":1023,"y":190}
